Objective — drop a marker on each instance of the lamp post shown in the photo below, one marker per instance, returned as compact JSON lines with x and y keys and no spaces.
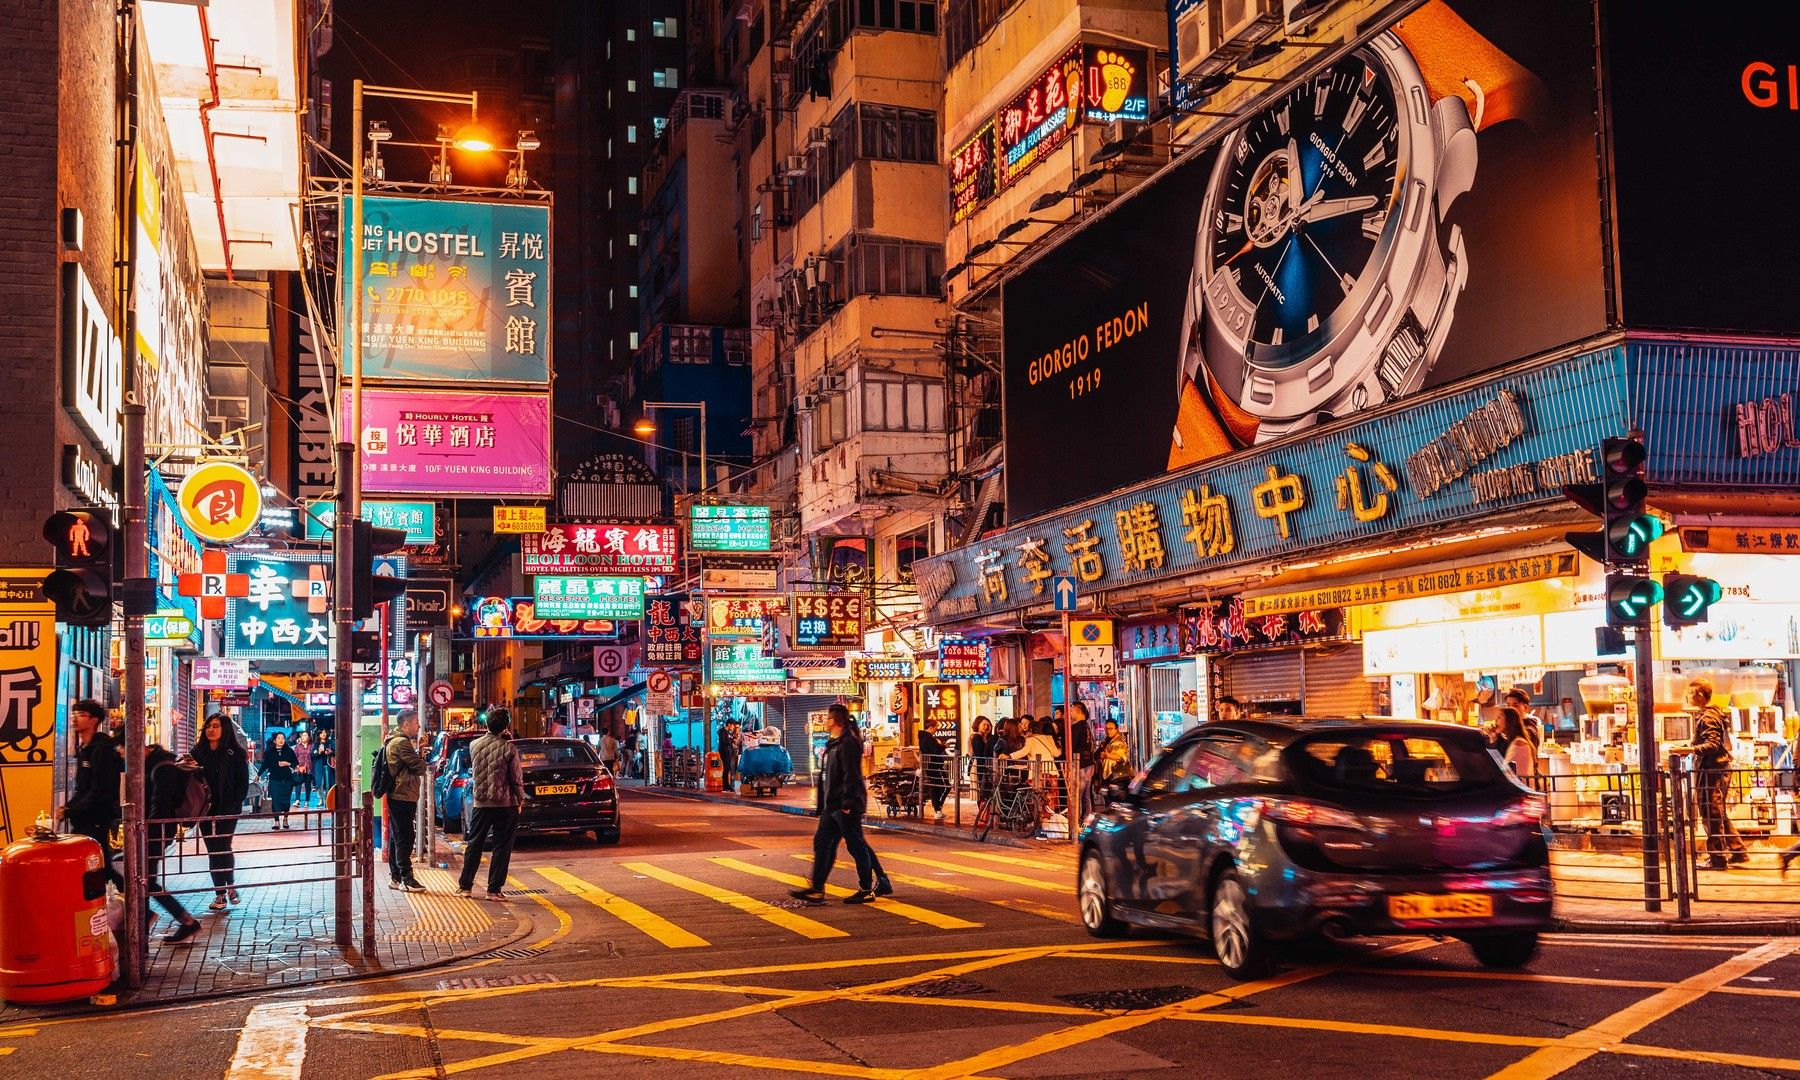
{"x":349,"y":475}
{"x":646,"y":428}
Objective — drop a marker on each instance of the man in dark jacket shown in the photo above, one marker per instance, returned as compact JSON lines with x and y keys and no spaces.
{"x":166,"y":784}
{"x":94,"y":806}
{"x":1081,"y":738}
{"x":1712,"y":753}
{"x":499,"y":795}
{"x":407,"y":768}
{"x":728,"y":751}
{"x":842,"y":801}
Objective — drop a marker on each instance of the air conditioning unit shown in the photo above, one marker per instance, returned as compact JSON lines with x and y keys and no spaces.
{"x":811,"y":274}
{"x":767,"y":313}
{"x":1211,"y":34}
{"x":1298,"y":15}
{"x":805,"y":402}
{"x":818,"y":138}
{"x":794,"y":165}
{"x":830,"y":383}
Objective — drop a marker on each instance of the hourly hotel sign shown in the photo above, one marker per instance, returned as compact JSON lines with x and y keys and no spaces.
{"x":453,"y":291}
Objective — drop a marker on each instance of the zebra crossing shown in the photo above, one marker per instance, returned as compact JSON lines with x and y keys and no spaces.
{"x":716,"y":900}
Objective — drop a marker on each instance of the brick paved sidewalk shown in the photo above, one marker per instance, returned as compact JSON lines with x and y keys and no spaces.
{"x":280,"y":935}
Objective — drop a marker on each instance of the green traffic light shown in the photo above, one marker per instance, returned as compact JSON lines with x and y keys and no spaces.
{"x":1631,"y":597}
{"x":1631,"y":537}
{"x":1695,"y":595}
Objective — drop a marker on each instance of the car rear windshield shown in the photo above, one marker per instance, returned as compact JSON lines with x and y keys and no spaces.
{"x":549,"y":755}
{"x":1395,"y":762}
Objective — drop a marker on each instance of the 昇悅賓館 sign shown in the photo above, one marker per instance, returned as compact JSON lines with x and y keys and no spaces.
{"x":452,"y":442}
{"x":453,"y":291}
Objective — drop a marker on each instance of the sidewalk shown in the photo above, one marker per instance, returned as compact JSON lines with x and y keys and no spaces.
{"x":281,"y":935}
{"x":1772,"y":909}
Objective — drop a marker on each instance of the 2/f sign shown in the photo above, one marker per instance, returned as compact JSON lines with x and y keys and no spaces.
{"x":520,"y":519}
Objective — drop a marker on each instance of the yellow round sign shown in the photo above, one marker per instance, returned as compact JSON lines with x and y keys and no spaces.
{"x":220,"y":501}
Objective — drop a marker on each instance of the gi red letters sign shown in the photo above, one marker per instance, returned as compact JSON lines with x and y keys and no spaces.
{"x":828,"y":621}
{"x":605,"y":548}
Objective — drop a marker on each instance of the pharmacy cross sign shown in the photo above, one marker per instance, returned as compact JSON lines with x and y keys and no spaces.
{"x":212,"y":585}
{"x":314,"y":588}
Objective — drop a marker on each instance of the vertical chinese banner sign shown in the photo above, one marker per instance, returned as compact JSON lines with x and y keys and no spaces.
{"x":27,"y":702}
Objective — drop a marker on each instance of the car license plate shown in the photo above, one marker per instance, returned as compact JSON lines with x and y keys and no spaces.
{"x":554,"y":789}
{"x":1441,"y":906}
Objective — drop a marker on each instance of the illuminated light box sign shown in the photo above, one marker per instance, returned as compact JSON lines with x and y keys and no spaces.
{"x":729,"y":528}
{"x":217,"y":673}
{"x":742,"y":616}
{"x":963,"y":658}
{"x":452,"y":443}
{"x":881,"y":668}
{"x":589,"y":597}
{"x":601,"y":548}
{"x":744,"y":663}
{"x":454,"y":290}
{"x":669,"y":634}
{"x":517,"y":618}
{"x":828,"y":621}
{"x":417,"y":519}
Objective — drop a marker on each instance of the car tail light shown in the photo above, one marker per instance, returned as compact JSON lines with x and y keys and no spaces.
{"x":457,"y":781}
{"x":1527,"y":811}
{"x":1310,"y":814}
{"x":603,"y":782}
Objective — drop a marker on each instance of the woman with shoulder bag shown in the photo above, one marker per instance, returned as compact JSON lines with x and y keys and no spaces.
{"x":226,"y":768}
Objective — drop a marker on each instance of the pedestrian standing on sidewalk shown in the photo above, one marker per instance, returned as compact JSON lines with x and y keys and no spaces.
{"x":499,"y":796}
{"x":94,"y":807}
{"x":631,"y":753}
{"x":278,"y":764}
{"x":981,"y":754}
{"x":322,"y":751}
{"x":728,"y":751}
{"x":609,"y":752}
{"x":407,"y":769}
{"x":1115,"y":756}
{"x":1516,"y":748}
{"x":935,"y":761}
{"x":1712,"y":755}
{"x":842,"y":799}
{"x":166,"y":783}
{"x":303,"y":776}
{"x":1081,"y":739}
{"x":226,"y":768}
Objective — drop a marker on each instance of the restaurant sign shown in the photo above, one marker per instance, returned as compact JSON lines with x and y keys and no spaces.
{"x":516,"y":617}
{"x":1340,"y":486}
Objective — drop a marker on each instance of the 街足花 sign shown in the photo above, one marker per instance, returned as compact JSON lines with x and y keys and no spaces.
{"x":558,"y":597}
{"x":729,"y":528}
{"x":417,"y":519}
{"x":1513,"y":440}
{"x":451,"y":443}
{"x":287,"y":614}
{"x":453,"y":291}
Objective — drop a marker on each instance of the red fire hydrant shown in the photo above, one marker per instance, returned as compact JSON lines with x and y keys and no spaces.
{"x":55,"y":941}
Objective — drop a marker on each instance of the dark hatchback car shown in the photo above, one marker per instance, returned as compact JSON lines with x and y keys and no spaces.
{"x":567,"y":790}
{"x":450,"y":777}
{"x":1257,"y":832}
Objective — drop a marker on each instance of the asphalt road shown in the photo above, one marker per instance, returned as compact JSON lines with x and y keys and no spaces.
{"x":678,"y":954}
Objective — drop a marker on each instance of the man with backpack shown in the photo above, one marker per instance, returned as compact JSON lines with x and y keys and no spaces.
{"x":176,"y":794}
{"x":404,"y":770}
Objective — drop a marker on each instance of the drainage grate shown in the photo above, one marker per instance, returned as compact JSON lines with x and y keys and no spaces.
{"x":1147,"y":997}
{"x":937,"y":988}
{"x":491,"y":981}
{"x":515,"y":954}
{"x":788,"y":903}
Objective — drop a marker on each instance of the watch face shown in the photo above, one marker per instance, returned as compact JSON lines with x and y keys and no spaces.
{"x":1299,"y":209}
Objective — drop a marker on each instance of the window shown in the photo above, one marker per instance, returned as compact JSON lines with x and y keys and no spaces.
{"x":1218,"y":760}
{"x":887,"y":133}
{"x":881,"y":267}
{"x":657,"y":125}
{"x":630,"y":33}
{"x":1391,"y":763}
{"x":966,"y":22}
{"x":910,"y":548}
{"x":919,"y":16}
{"x":631,"y":133}
{"x":829,"y":427}
{"x":664,"y":28}
{"x":632,"y":340}
{"x":632,"y":239}
{"x":666,"y":78}
{"x":903,"y":405}
{"x":631,"y":291}
{"x":537,"y":755}
{"x":631,"y":86}
{"x":631,"y":185}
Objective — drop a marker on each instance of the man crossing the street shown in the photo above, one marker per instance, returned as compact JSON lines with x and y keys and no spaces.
{"x":407,"y":768}
{"x":842,"y":801}
{"x":499,"y":796}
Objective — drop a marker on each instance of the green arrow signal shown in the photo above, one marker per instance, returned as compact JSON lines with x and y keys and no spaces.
{"x":1633,"y":536}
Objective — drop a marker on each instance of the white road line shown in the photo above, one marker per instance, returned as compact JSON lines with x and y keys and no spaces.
{"x":272,"y":1045}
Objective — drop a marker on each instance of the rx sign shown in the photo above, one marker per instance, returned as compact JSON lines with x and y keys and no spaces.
{"x":1062,"y":586}
{"x":213,"y":585}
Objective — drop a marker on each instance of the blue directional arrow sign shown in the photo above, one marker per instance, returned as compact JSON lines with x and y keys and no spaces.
{"x":1062,"y":586}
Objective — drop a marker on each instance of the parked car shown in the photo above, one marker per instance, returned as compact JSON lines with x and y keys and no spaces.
{"x":1256,"y":832}
{"x":567,"y":790}
{"x":450,"y":786}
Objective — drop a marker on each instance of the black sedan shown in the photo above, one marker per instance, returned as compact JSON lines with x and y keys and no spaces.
{"x":1257,"y":832}
{"x":567,"y":790}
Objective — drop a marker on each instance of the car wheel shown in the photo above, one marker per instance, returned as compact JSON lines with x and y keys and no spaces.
{"x":1513,"y":950}
{"x":1240,"y":948}
{"x":1096,"y":912}
{"x":603,"y":836}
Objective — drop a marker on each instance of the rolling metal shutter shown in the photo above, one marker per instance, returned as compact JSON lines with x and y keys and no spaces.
{"x":1334,"y":682}
{"x":1258,"y":677}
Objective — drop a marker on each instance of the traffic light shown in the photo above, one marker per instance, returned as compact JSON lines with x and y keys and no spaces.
{"x":1629,"y":598}
{"x":367,"y":588}
{"x":81,"y":586}
{"x":1686,"y":598}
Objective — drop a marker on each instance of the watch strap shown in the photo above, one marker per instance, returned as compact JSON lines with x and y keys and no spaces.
{"x":1457,"y":61}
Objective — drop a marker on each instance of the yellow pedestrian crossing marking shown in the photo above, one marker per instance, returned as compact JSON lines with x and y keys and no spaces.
{"x":1018,"y":860}
{"x":904,"y":910}
{"x":769,"y":913}
{"x":982,"y":872}
{"x":904,"y":879}
{"x":1030,"y":907}
{"x":642,"y":918}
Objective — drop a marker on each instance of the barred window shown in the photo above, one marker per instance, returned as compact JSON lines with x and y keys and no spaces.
{"x":882,"y":267}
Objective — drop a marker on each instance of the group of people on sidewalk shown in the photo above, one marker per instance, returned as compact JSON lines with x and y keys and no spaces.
{"x":498,"y":779}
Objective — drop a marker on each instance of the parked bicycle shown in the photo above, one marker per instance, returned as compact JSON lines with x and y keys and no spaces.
{"x":1015,"y":804}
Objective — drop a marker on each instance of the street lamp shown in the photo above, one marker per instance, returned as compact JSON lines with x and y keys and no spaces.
{"x":349,"y":452}
{"x":646,"y":427}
